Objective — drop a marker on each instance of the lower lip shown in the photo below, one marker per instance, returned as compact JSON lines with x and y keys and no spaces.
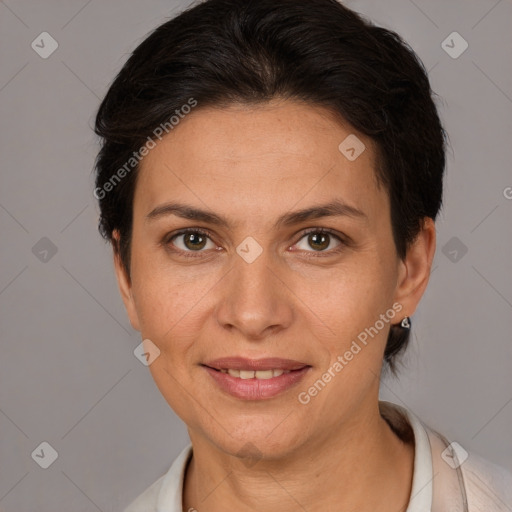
{"x":256,"y":389}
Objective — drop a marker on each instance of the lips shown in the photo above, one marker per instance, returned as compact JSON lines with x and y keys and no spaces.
{"x":242,"y":363}
{"x":255,"y":374}
{"x":256,"y":379}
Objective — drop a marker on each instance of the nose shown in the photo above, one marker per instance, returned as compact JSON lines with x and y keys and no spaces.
{"x":255,"y":301}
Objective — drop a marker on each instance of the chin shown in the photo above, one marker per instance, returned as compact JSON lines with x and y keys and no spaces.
{"x":260,"y":440}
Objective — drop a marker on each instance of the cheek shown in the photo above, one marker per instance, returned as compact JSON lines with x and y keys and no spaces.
{"x":165,"y":307}
{"x":355,"y":336}
{"x":169,"y":299}
{"x":350,"y":297}
{"x":351,"y":305}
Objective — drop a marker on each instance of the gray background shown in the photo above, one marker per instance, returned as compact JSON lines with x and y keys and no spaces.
{"x":68,"y":375}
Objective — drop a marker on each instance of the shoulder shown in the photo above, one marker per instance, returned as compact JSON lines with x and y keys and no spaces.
{"x":147,"y":501}
{"x":488,"y":486}
{"x":166,"y":492}
{"x":446,"y":476}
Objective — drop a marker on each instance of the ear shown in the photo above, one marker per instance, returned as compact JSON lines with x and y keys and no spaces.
{"x":124,"y":284}
{"x":414,"y":271}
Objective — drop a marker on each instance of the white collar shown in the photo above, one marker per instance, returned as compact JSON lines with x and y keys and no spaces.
{"x":421,"y":491}
{"x":171,"y":490}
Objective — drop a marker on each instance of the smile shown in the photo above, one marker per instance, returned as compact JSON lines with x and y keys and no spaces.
{"x":249,"y":384}
{"x":251,"y":374}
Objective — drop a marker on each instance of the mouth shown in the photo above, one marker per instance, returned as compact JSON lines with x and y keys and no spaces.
{"x":251,"y":374}
{"x":247,"y":364}
{"x":255,"y":379}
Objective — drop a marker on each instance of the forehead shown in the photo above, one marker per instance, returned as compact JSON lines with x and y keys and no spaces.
{"x":270,"y":156}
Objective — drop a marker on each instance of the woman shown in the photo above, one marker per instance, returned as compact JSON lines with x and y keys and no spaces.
{"x":269,"y":177}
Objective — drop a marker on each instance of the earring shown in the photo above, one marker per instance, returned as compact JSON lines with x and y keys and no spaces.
{"x":406,"y":324}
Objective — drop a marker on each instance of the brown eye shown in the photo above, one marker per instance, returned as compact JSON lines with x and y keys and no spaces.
{"x":194,"y":241}
{"x":320,"y":241}
{"x":191,"y":241}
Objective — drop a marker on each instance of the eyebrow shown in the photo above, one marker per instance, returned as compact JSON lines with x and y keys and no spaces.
{"x":335,"y":208}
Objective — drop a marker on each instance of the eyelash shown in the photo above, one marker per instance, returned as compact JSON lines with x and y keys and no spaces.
{"x":190,"y":254}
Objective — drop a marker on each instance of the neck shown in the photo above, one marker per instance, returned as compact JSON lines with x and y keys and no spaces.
{"x":364,"y":466}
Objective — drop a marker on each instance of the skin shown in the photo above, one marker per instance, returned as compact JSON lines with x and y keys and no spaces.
{"x":251,"y":165}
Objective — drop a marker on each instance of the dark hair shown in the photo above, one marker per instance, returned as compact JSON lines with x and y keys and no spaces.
{"x":221,"y":52}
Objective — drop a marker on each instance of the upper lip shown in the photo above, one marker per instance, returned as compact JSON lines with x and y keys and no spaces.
{"x":243,"y":363}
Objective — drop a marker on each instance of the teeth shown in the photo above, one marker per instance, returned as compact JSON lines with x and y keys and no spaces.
{"x":251,"y":374}
{"x":264,"y":374}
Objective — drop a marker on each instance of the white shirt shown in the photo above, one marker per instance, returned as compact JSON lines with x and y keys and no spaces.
{"x":485,"y":487}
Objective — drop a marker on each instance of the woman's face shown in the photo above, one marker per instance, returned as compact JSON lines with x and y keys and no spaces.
{"x":260,"y":282}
